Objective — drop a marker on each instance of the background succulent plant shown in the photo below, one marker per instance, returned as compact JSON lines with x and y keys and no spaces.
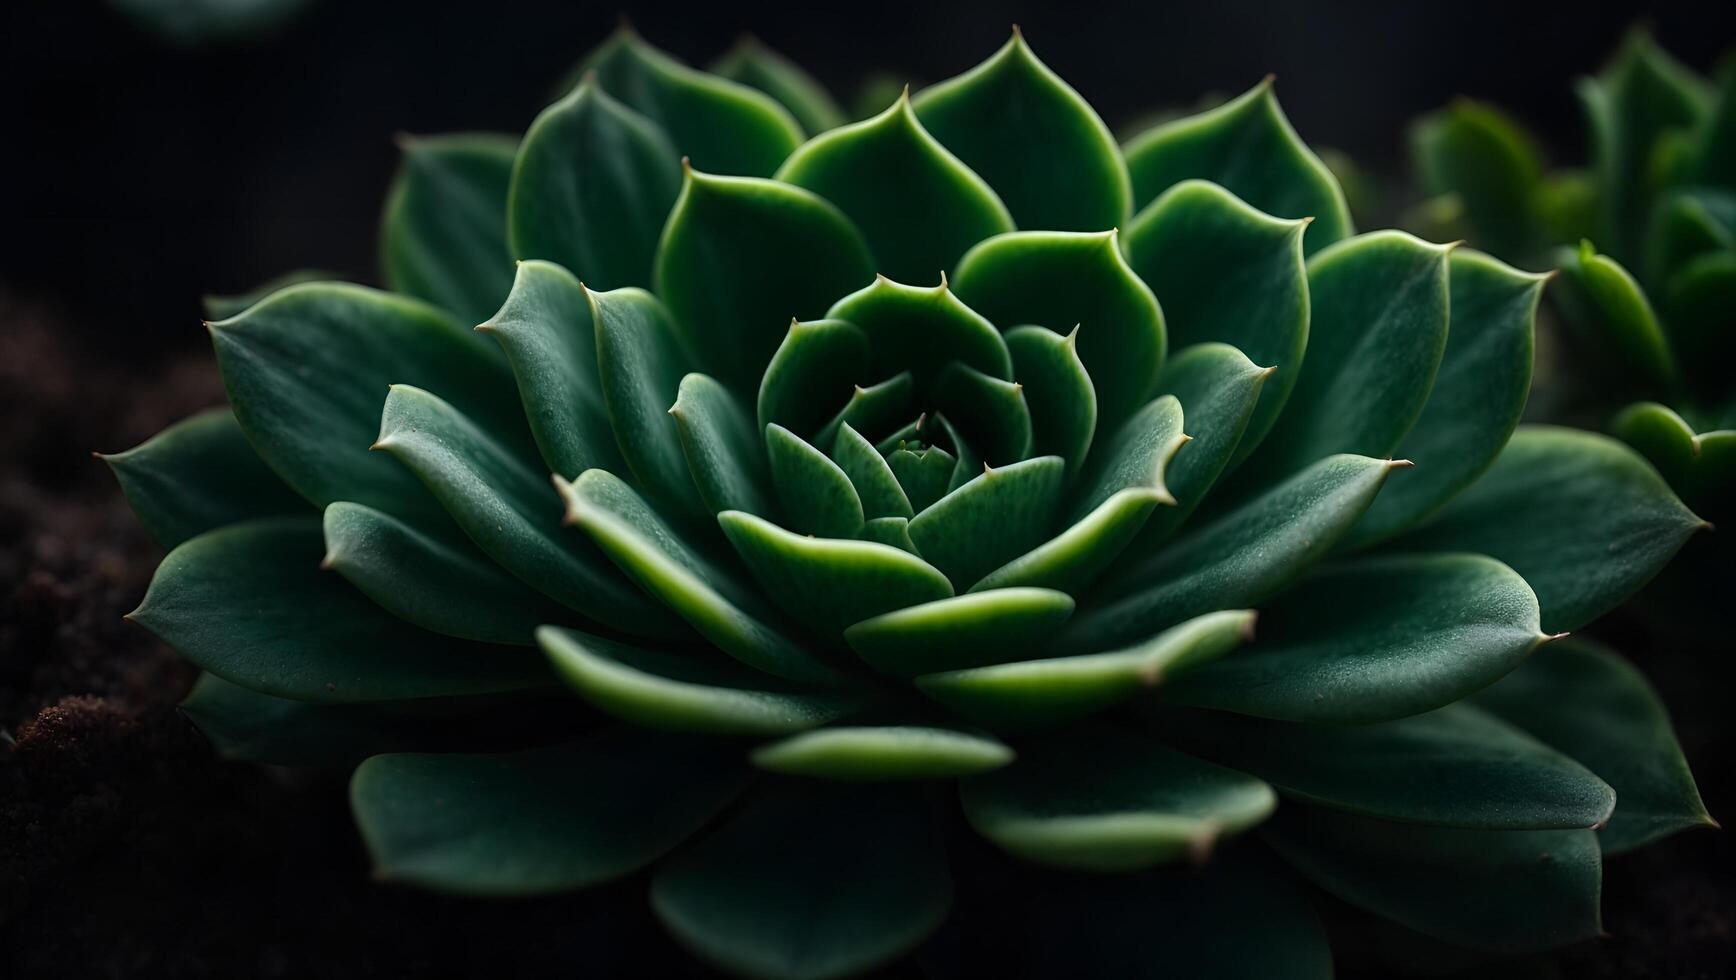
{"x":1650,"y":303}
{"x":881,"y":478}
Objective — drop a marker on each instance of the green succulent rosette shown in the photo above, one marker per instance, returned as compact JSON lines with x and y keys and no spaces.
{"x":1651,"y":306}
{"x":805,"y":507}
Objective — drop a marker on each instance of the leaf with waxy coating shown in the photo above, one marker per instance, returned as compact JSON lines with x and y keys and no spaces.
{"x":991,"y":519}
{"x":1062,"y":400}
{"x":1249,"y":147}
{"x":876,"y":486}
{"x":724,"y":454}
{"x":879,"y":752}
{"x":918,"y":206}
{"x":1028,"y":133}
{"x":961,"y":631}
{"x":992,"y":411}
{"x":753,"y":64}
{"x":640,"y":363}
{"x":922,"y":329}
{"x":543,"y":820}
{"x":814,"y":367}
{"x":443,"y":236}
{"x":893,"y":531}
{"x":817,"y":495}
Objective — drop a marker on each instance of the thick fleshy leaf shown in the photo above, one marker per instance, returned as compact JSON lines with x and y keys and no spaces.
{"x":1373,"y":639}
{"x":1135,"y":458}
{"x":876,"y":486}
{"x":874,"y":409}
{"x":197,"y":475}
{"x":962,"y":631}
{"x":1229,"y":273}
{"x":876,"y":752}
{"x":1237,"y":560}
{"x":652,"y":554}
{"x":922,"y":329}
{"x":505,"y":507}
{"x":307,"y":634}
{"x":1586,"y":701}
{"x":1378,"y":331}
{"x":923,"y":474}
{"x":591,"y":188}
{"x":741,"y":257}
{"x":724,"y":453}
{"x":234,"y":304}
{"x":1248,"y":146}
{"x":815,"y":880}
{"x":917,"y":205}
{"x":443,"y":236}
{"x":1063,"y":280}
{"x":1490,"y":164}
{"x":990,"y":411}
{"x":1599,"y":291}
{"x":720,"y":125}
{"x":1062,"y":400}
{"x":307,"y":371}
{"x":439,"y":582}
{"x":1582,"y":517}
{"x":826,"y":583}
{"x":1478,"y":394}
{"x":641,"y":363}
{"x":1038,"y":693}
{"x":993,"y":518}
{"x":811,"y":374}
{"x":1110,"y":799}
{"x":700,"y":692}
{"x":894,"y":531}
{"x":545,"y":328}
{"x":1503,"y":891}
{"x":1452,"y":767}
{"x":544,"y":820}
{"x":1701,"y":466}
{"x":1034,"y":139}
{"x":817,"y":495}
{"x":753,"y":64}
{"x":246,"y":726}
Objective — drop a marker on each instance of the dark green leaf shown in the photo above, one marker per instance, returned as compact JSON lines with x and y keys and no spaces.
{"x":1701,"y":466}
{"x":224,"y":307}
{"x":1058,"y":390}
{"x":641,"y":363}
{"x":923,"y":474}
{"x":990,"y":520}
{"x":922,"y":329}
{"x":246,"y":726}
{"x":987,"y":627}
{"x":813,"y":372}
{"x":724,"y":454}
{"x":816,"y":494}
{"x":753,"y":64}
{"x":993,"y":413}
{"x":874,"y":409}
{"x":1491,"y":165}
{"x":894,"y":531}
{"x":444,"y":230}
{"x":880,"y":494}
{"x":1616,"y":309}
{"x":876,"y":752}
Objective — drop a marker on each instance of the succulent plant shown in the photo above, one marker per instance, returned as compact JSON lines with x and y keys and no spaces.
{"x":925,"y":473}
{"x":1651,"y":302}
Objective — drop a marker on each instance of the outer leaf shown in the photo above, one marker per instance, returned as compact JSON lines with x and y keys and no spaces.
{"x":545,"y":328}
{"x":814,"y":367}
{"x":724,"y":454}
{"x":876,"y":752}
{"x":307,"y":635}
{"x":962,"y":631}
{"x":922,"y":329}
{"x":753,"y":64}
{"x":1490,"y":164}
{"x":246,"y":726}
{"x":816,"y":493}
{"x":1249,"y":147}
{"x":878,"y":489}
{"x":830,"y":584}
{"x":641,"y":364}
{"x":1580,"y":516}
{"x":1059,"y":391}
{"x":1379,"y":330}
{"x":1029,"y":133}
{"x":1037,"y":693}
{"x":443,"y":236}
{"x":1477,"y":398}
{"x":504,"y":506}
{"x":1452,"y":767}
{"x":740,"y":258}
{"x":1227,"y":272}
{"x":593,"y":182}
{"x":655,"y":689}
{"x":1586,"y":701}
{"x":1375,"y":639}
{"x":1500,"y":891}
{"x":991,"y":519}
{"x":197,"y":475}
{"x":545,"y":820}
{"x":1064,"y":280}
{"x":761,"y":896}
{"x":918,"y":206}
{"x":442,"y":584}
{"x":720,"y":125}
{"x":1111,"y":800}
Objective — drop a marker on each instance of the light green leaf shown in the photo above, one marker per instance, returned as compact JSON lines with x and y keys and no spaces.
{"x":681,"y":692}
{"x":753,"y":64}
{"x":1586,"y":701}
{"x":816,"y":493}
{"x":917,"y":205}
{"x":1062,"y":400}
{"x":1615,"y":309}
{"x":1582,"y":517}
{"x":1701,"y":466}
{"x":1063,"y":280}
{"x":443,"y":236}
{"x":991,"y":411}
{"x":592,"y":185}
{"x":1039,"y":693}
{"x":1229,"y":273}
{"x":985,"y":627}
{"x":993,"y":518}
{"x":1374,"y":639}
{"x":741,"y":257}
{"x":922,"y":329}
{"x":812,"y":372}
{"x":1248,"y":146}
{"x":1109,"y":799}
{"x":877,"y":752}
{"x":1482,"y":156}
{"x":544,"y":820}
{"x":197,"y":475}
{"x":878,"y":489}
{"x":1034,"y":139}
{"x":893,"y":531}
{"x":641,"y":363}
{"x":307,"y":634}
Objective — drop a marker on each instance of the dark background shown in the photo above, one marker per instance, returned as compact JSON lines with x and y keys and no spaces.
{"x":137,"y":174}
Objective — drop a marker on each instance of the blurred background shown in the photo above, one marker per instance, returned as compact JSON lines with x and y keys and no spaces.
{"x":157,"y":150}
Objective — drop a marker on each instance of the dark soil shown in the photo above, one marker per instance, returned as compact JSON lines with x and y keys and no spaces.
{"x":128,"y":850}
